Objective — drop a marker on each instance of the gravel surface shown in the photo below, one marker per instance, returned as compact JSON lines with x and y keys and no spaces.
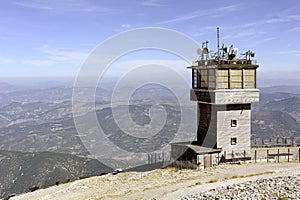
{"x":166,"y":184}
{"x":287,"y":187}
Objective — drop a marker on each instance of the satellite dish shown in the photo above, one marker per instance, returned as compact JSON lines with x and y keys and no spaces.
{"x":205,"y":50}
{"x":199,"y":51}
{"x":231,"y":56}
{"x":226,"y":49}
{"x":235,"y":51}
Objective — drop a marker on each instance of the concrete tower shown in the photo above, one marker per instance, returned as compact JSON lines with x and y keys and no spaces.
{"x":224,"y":86}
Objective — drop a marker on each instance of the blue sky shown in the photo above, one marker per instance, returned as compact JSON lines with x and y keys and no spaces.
{"x":53,"y":38}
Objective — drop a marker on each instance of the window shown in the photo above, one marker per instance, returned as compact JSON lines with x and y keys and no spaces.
{"x":223,"y":79}
{"x":203,"y":74}
{"x":233,"y":141}
{"x":236,"y":78}
{"x":249,"y":78}
{"x":195,"y":78}
{"x":234,"y":123}
{"x":211,"y":79}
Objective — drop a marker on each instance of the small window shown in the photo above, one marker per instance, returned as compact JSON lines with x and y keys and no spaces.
{"x":233,"y":141}
{"x":234,"y":123}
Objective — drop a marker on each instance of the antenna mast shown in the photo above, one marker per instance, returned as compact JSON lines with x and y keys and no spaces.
{"x":218,"y":42}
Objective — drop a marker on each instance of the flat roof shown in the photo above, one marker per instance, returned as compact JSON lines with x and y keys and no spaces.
{"x":196,"y":148}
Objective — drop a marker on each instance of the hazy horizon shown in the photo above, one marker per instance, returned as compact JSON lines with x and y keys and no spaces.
{"x":265,"y":79}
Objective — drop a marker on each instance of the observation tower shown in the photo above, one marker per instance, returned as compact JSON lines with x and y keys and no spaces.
{"x":224,"y":87}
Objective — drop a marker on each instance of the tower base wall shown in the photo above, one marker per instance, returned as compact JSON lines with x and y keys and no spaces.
{"x":225,"y":126}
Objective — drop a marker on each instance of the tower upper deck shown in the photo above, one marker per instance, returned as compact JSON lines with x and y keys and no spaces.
{"x":221,"y":74}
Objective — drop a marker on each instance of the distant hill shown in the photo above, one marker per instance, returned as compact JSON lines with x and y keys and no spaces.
{"x":290,"y":105}
{"x":279,"y":117}
{"x":39,"y":126}
{"x":42,"y":120}
{"x":21,"y":171}
{"x":294,"y":89}
{"x":272,"y":124}
{"x":269,"y":97}
{"x":57,"y":94}
{"x":6,"y":87}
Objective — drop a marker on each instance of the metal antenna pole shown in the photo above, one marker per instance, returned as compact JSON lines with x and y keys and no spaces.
{"x":218,"y":42}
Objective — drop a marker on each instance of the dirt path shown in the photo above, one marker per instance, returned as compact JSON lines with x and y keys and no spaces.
{"x":161,"y":184}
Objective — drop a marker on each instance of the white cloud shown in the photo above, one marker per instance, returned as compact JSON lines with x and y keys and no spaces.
{"x":290,"y":52}
{"x":153,"y":3}
{"x":202,"y":13}
{"x":275,"y":20}
{"x":121,"y":67}
{"x":64,"y":6}
{"x":126,"y":26}
{"x":260,"y":41}
{"x":256,"y":30}
{"x":5,"y":61}
{"x":55,"y":56}
{"x":245,"y":34}
{"x":135,"y":63}
{"x":63,"y":54}
{"x":269,"y":39}
{"x":35,"y":5}
{"x":38,"y":63}
{"x":295,"y":29}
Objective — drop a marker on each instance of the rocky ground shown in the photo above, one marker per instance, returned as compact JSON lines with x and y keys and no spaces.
{"x":272,"y":188}
{"x":231,"y":180}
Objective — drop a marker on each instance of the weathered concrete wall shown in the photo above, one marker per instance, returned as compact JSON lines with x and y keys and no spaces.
{"x":215,"y":129}
{"x":236,"y":96}
{"x":242,"y":131}
{"x":226,"y":96}
{"x":207,"y":129}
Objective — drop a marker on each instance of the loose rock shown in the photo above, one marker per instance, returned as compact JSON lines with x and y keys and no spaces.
{"x":273,"y":188}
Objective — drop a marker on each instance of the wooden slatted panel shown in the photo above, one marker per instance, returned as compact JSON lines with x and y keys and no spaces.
{"x":236,"y":79}
{"x":222,"y":79}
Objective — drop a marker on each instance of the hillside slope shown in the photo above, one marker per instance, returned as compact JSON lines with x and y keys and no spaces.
{"x":161,"y":183}
{"x":277,"y":118}
{"x":20,"y":171}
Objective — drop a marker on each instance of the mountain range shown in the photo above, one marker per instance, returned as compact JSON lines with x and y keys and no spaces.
{"x":37,"y":126}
